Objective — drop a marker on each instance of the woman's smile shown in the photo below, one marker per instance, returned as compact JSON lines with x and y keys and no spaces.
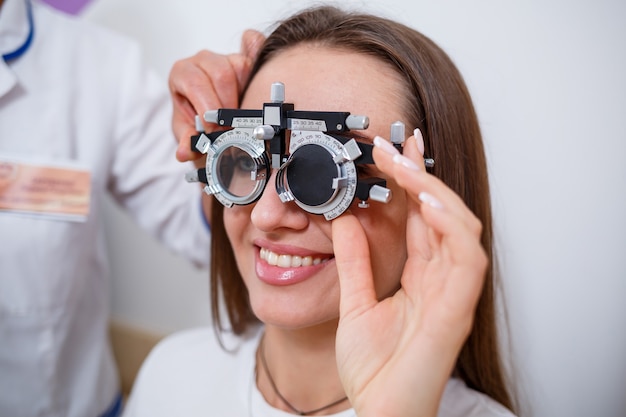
{"x":289,"y":261}
{"x":279,"y":267}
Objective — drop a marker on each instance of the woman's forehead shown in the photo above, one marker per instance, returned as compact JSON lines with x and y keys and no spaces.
{"x":319,"y":78}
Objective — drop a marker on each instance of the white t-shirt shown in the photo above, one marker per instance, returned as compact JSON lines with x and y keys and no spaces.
{"x":189,"y":374}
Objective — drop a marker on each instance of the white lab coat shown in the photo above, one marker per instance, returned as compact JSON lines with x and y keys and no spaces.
{"x":79,"y":94}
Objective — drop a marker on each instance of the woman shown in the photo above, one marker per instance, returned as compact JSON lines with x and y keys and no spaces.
{"x":394,"y":313}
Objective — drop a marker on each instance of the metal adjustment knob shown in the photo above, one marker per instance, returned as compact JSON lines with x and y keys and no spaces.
{"x":380,"y":194}
{"x":210,"y":116}
{"x":264,"y":132}
{"x":277,"y":93}
{"x":397,"y":133}
{"x":199,"y":125}
{"x":357,"y":122}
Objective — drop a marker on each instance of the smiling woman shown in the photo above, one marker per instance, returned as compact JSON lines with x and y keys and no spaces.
{"x":382,"y":311}
{"x":305,"y":68}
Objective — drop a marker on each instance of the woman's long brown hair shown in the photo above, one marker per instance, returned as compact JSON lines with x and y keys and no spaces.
{"x":438,"y":102}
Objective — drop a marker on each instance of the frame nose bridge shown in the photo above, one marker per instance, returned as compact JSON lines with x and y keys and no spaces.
{"x":269,"y":212}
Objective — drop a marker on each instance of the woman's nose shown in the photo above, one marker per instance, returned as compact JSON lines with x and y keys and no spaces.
{"x":270,"y":213}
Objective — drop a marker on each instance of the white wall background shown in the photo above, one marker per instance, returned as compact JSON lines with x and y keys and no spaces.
{"x":548,"y":79}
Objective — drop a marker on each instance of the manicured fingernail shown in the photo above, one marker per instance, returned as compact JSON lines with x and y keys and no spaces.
{"x":385,"y":146}
{"x":403,"y":160}
{"x":430,"y":200}
{"x":419,"y":139}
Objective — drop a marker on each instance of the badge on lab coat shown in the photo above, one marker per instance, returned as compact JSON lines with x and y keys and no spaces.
{"x":50,"y":190}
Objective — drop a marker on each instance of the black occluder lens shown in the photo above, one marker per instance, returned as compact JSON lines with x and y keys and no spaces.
{"x":310,"y":175}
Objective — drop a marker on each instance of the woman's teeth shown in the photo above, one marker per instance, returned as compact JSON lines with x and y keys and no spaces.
{"x":289,"y":261}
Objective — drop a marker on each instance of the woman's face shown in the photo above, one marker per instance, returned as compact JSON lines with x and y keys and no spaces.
{"x":271,"y":239}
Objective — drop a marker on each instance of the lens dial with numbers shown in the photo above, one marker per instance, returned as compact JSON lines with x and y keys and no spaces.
{"x":319,"y":174}
{"x":237,"y":167}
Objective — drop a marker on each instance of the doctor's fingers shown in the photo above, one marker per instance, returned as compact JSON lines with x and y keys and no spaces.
{"x":183,"y":128}
{"x":205,"y":81}
{"x":210,"y":81}
{"x":251,"y":42}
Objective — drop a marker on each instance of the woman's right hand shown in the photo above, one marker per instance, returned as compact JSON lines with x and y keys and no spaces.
{"x":208,"y":81}
{"x":396,"y":355}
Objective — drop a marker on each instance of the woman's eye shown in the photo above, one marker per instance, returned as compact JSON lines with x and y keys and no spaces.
{"x":244,"y":163}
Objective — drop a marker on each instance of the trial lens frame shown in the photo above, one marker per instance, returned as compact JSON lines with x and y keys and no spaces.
{"x":318,"y":173}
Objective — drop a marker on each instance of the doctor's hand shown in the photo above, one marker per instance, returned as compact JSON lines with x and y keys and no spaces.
{"x":208,"y":81}
{"x":396,"y":355}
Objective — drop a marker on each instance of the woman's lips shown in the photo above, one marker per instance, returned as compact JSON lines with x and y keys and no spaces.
{"x":276,"y":268}
{"x":290,"y":261}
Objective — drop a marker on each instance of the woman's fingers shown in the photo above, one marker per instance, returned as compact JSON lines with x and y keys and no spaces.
{"x":461,"y":249}
{"x":409,"y":172}
{"x":440,"y":228}
{"x":352,"y":257}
